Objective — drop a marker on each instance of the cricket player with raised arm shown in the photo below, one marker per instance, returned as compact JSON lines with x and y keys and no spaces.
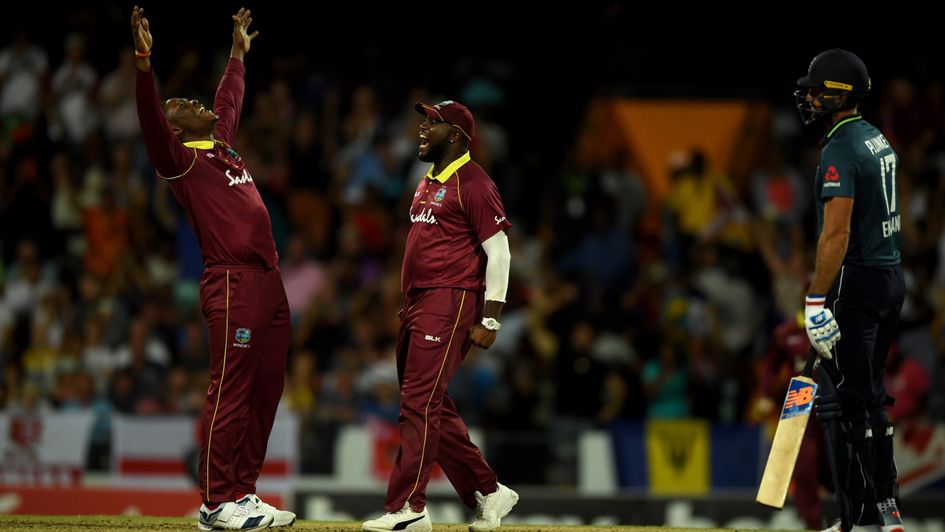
{"x":241,"y":291}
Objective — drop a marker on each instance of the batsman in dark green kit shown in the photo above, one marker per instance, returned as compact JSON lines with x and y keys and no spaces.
{"x":857,"y":291}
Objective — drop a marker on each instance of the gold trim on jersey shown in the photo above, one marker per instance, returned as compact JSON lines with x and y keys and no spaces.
{"x":444,"y":176}
{"x":423,"y":450}
{"x":226,"y":340}
{"x":194,"y":145}
{"x":189,"y":168}
{"x":459,"y":193}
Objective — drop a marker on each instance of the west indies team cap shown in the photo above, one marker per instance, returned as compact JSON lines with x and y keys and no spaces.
{"x":453,"y":113}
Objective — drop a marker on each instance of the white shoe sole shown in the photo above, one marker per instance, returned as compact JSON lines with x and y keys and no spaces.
{"x":280,"y":525}
{"x":201,"y":526}
{"x":419,"y":528}
{"x":257,"y":529}
{"x":423,"y":525}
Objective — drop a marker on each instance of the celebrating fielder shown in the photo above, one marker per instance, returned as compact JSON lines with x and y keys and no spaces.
{"x":241,"y":292}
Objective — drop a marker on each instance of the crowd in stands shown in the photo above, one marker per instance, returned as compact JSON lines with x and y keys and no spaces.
{"x":606,"y":321}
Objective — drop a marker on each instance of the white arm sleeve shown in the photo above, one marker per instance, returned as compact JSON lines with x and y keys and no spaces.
{"x":497,"y":266}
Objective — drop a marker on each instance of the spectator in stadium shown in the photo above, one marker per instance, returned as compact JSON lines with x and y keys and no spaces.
{"x":73,"y":86}
{"x":22,"y":67}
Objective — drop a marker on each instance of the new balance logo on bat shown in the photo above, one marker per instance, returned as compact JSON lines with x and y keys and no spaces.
{"x":799,"y":400}
{"x":799,"y":397}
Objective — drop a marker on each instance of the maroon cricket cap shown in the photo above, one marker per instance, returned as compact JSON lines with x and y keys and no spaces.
{"x":451,"y":112}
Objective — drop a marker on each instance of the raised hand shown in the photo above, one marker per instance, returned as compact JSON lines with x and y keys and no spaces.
{"x":140,"y":30}
{"x":242,"y":39}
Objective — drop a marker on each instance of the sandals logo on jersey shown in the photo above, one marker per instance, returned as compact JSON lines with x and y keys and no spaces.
{"x":239,"y":179}
{"x":832,"y":177}
{"x":799,"y":400}
{"x":242,"y":336}
{"x":425,"y":216}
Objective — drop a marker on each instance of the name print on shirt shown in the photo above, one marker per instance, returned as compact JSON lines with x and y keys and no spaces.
{"x":424,"y":216}
{"x":239,"y":179}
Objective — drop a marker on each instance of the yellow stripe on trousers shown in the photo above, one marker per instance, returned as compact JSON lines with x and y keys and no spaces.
{"x":423,"y":450}
{"x":226,"y":338}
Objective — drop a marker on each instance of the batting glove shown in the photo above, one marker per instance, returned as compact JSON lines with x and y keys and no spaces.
{"x":822,"y":329}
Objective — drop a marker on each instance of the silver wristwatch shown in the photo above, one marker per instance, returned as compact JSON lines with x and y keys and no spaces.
{"x":491,"y":323}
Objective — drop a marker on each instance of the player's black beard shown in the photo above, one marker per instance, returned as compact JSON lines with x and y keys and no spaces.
{"x":434,"y":154}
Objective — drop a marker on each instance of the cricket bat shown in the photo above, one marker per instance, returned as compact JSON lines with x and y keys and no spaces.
{"x":787,"y":437}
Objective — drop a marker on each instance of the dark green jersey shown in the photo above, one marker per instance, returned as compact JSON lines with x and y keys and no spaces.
{"x":857,"y":162}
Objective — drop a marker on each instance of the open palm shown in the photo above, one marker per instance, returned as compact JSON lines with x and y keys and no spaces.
{"x":241,"y":22}
{"x":140,"y":30}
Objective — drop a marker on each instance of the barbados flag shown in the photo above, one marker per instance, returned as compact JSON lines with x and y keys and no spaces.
{"x":678,"y":456}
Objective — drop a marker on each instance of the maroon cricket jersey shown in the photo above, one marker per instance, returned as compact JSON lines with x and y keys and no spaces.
{"x":452,"y":214}
{"x":209,"y":178}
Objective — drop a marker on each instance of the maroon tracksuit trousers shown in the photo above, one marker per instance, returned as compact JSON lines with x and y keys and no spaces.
{"x":248,"y":317}
{"x":810,"y":471}
{"x":433,"y":340}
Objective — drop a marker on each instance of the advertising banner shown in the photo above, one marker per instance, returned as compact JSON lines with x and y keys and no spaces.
{"x":162,"y":451}
{"x":43,"y":449}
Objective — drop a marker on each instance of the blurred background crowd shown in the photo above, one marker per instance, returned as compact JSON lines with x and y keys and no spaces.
{"x":622,"y":305}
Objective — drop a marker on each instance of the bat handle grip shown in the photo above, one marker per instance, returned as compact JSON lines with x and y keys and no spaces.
{"x":809,"y":366}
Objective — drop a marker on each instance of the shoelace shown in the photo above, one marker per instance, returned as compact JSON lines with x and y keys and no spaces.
{"x":479,"y":500}
{"x":402,"y":511}
{"x":259,"y":504}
